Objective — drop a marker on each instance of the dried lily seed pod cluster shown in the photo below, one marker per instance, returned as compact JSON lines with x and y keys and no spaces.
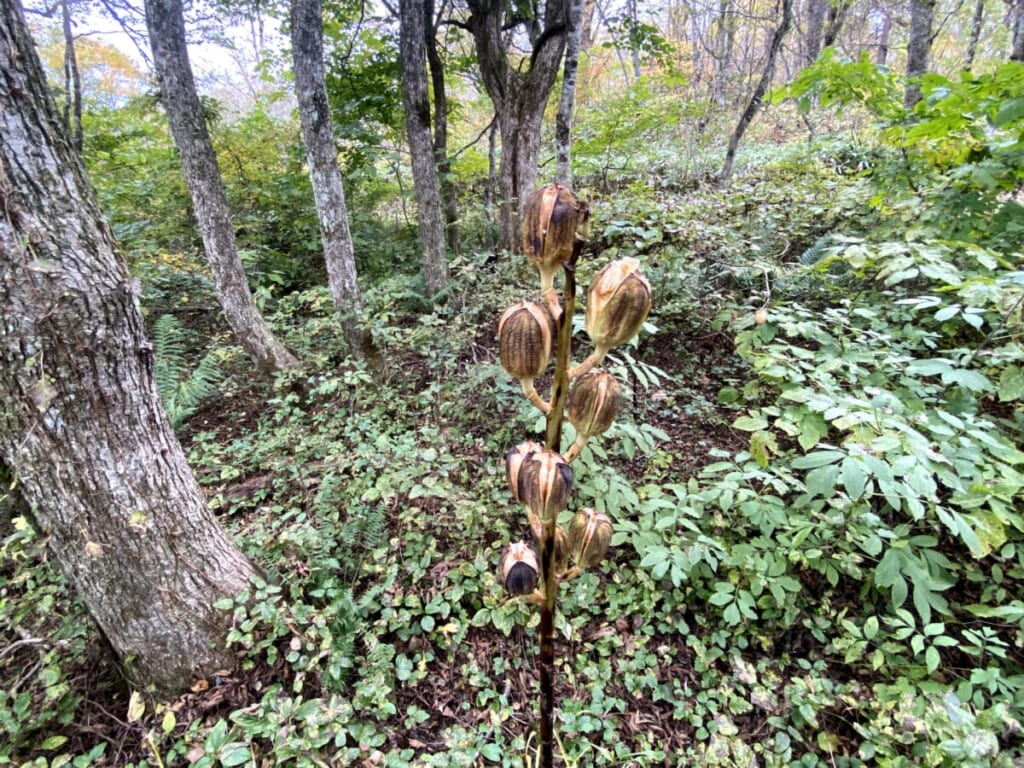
{"x":555,"y":224}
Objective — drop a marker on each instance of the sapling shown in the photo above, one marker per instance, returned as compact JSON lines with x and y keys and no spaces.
{"x":540,"y":475}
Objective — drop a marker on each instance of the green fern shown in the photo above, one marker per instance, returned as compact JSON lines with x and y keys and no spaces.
{"x":182,"y":391}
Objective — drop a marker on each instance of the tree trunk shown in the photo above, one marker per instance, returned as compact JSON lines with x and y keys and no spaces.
{"x":72,"y":82}
{"x":322,"y":155}
{"x":754,"y":105}
{"x":918,"y":48}
{"x":976,"y":24}
{"x":82,"y":427}
{"x":816,"y":10}
{"x":449,"y":199}
{"x":1015,"y":17}
{"x":166,"y":26}
{"x":563,"y":119}
{"x":519,"y":98}
{"x":416,"y":101}
{"x":882,"y":49}
{"x":836,"y":17}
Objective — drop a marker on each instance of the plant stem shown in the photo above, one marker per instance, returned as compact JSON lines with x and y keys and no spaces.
{"x":553,"y":440}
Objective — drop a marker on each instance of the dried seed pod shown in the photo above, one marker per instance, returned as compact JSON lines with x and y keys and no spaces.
{"x":545,"y":481}
{"x":560,"y":561}
{"x":590,"y":533}
{"x":553,"y":221}
{"x":525,"y":334}
{"x":519,"y":569}
{"x":618,"y":301}
{"x":514,"y":460}
{"x":594,"y":403}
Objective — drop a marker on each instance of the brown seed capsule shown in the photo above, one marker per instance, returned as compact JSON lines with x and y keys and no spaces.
{"x":525,"y":332}
{"x":553,"y":220}
{"x":590,"y":533}
{"x":617,"y":303}
{"x":561,"y":558}
{"x":514,"y":460}
{"x":594,"y":403}
{"x":545,"y":481}
{"x":519,"y":569}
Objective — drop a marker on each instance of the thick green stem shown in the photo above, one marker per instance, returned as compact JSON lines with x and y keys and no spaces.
{"x":553,"y":440}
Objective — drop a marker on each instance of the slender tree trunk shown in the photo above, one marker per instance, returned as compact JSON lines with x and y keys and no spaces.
{"x":328,"y":190}
{"x":563,"y":119}
{"x":725,"y":41}
{"x":421,"y":144}
{"x":72,"y":81}
{"x":836,"y":17}
{"x":519,"y":99}
{"x":166,"y":24}
{"x":882,"y":48}
{"x":918,"y":48}
{"x":976,"y":24}
{"x":449,"y":199}
{"x":754,"y":105}
{"x":1015,"y":17}
{"x":82,"y":426}
{"x":816,"y":10}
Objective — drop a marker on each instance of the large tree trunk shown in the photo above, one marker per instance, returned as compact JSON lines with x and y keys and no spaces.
{"x":563,"y":119}
{"x":166,"y":26}
{"x":416,"y":100}
{"x":519,"y":98}
{"x":328,"y":191}
{"x":918,"y":47}
{"x":449,"y":200}
{"x":754,"y":105}
{"x":82,"y":426}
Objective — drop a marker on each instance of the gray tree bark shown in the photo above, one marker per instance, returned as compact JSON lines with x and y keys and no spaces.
{"x":322,"y":155}
{"x":416,"y":100}
{"x":919,"y":46}
{"x":519,"y":98}
{"x":563,"y":118}
{"x":166,"y":25}
{"x":82,"y":427}
{"x":815,"y":30}
{"x":449,"y":199}
{"x":754,"y":105}
{"x":72,"y":81}
{"x":976,"y":24}
{"x":1015,"y":17}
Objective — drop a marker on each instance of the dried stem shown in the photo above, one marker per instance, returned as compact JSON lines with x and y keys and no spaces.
{"x":559,"y":393}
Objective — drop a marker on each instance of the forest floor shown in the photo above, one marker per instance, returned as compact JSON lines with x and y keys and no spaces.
{"x":683,"y":406}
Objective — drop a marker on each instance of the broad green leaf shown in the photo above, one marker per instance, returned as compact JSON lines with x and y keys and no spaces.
{"x":1011,"y":384}
{"x":751,"y":423}
{"x":1011,"y":111}
{"x":817,"y":459}
{"x":234,"y":753}
{"x":855,"y":477}
{"x":822,"y":481}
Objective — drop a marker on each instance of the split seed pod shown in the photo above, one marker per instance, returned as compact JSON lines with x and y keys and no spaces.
{"x":525,"y":333}
{"x":553,"y":220}
{"x":545,"y":481}
{"x":594,"y":403}
{"x":514,"y":460}
{"x":590,"y":533}
{"x":519,"y":569}
{"x":618,"y":301}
